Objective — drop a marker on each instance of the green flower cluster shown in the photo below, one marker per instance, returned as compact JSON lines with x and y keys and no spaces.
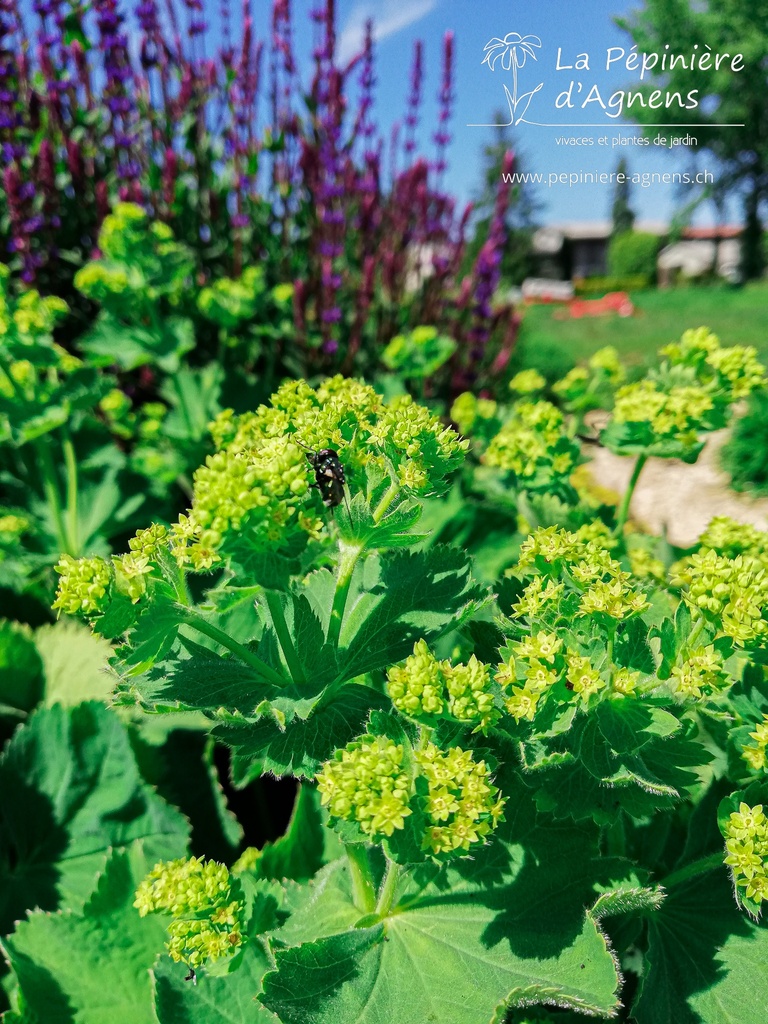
{"x":350,"y":417}
{"x":755,"y":754}
{"x":678,"y":412}
{"x":40,"y":382}
{"x":470,"y":413}
{"x":542,"y":665}
{"x":732,"y":593}
{"x":568,"y":576}
{"x":551,"y":549}
{"x":614,"y":597}
{"x":259,"y":490}
{"x":462,"y":804}
{"x":259,"y":484}
{"x":87,"y":585}
{"x":701,"y":674}
{"x":584,"y":386}
{"x":425,"y":688}
{"x":12,"y":526}
{"x":84,"y":585}
{"x":746,"y":835}
{"x":144,"y":422}
{"x":205,"y":902}
{"x":606,"y":361}
{"x":31,"y":318}
{"x":421,"y":449}
{"x":375,"y":783}
{"x":230,"y":301}
{"x":645,"y":566}
{"x":689,"y":394}
{"x":368,"y":782}
{"x":418,"y":353}
{"x":527,"y":382}
{"x":564,"y":563}
{"x":730,"y":538}
{"x":138,"y":257}
{"x":573,"y":385}
{"x":533,"y":444}
{"x":735,"y":370}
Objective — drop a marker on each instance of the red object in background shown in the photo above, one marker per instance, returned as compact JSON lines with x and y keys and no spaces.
{"x":613,"y":302}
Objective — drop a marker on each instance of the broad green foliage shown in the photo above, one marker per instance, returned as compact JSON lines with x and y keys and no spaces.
{"x":539,"y":798}
{"x":37,"y":666}
{"x":71,"y":791}
{"x":92,"y":963}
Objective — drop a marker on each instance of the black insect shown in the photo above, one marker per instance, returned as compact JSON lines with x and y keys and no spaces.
{"x":329,"y":474}
{"x":192,"y":976}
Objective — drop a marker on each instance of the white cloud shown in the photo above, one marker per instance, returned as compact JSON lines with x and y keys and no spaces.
{"x":389,"y":18}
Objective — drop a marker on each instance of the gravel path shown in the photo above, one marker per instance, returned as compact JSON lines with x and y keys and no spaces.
{"x":681,"y":497}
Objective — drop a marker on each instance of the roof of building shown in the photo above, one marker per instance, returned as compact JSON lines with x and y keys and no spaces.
{"x":550,"y":238}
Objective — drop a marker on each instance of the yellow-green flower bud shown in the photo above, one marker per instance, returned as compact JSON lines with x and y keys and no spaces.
{"x":83,"y":585}
{"x":424,"y":687}
{"x":205,"y":902}
{"x":746,"y":834}
{"x":581,"y":677}
{"x":367,"y":783}
{"x":755,"y":754}
{"x":527,"y":382}
{"x":462,"y":802}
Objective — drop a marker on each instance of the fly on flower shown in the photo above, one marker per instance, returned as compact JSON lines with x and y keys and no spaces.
{"x":329,"y":474}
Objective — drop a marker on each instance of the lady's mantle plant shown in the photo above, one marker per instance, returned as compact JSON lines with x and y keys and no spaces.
{"x":520,"y":791}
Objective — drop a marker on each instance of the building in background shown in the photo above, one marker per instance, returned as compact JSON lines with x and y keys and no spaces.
{"x":575,"y":249}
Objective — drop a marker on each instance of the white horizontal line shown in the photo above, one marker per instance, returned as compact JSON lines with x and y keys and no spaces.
{"x":602,"y":124}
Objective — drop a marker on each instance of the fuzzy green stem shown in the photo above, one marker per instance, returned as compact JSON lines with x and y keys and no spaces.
{"x":349,"y":555}
{"x":284,"y":637}
{"x":693,"y":636}
{"x":70,"y":461}
{"x":347,"y":563}
{"x":51,"y":489}
{"x":225,"y":640}
{"x":363,"y":889}
{"x":388,"y":887}
{"x":380,"y":511}
{"x":699,"y":867}
{"x":625,"y":501}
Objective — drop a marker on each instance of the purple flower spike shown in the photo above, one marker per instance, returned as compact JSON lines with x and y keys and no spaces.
{"x":414,"y":100}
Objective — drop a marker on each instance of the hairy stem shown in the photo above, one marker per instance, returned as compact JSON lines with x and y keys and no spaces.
{"x":381,"y":509}
{"x":363,"y":889}
{"x":225,"y":640}
{"x":699,"y":867}
{"x":625,"y":501}
{"x":70,"y":461}
{"x":349,"y":556}
{"x":284,"y":637}
{"x":347,"y":563}
{"x":52,"y":496}
{"x":388,"y":887}
{"x":693,"y":636}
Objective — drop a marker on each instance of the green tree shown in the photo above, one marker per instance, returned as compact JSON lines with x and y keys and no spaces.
{"x":719,"y":26}
{"x":622,"y":214}
{"x":518,"y":261}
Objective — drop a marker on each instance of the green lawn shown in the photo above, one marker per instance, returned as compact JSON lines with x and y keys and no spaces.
{"x":736,"y":315}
